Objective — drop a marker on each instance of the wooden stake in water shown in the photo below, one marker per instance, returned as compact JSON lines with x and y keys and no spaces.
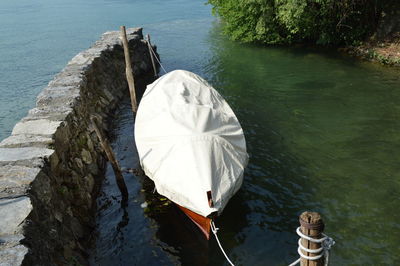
{"x":128,"y":69}
{"x":151,"y":55}
{"x":111,"y":158}
{"x":311,"y":225}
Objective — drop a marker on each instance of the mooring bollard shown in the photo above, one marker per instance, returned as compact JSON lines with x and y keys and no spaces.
{"x":314,"y":245}
{"x":311,"y":225}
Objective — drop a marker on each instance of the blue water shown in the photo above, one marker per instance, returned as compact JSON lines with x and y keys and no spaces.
{"x":322,"y":132}
{"x":38,"y":38}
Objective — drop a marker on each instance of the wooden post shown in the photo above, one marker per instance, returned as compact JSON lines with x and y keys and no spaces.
{"x":311,"y":225}
{"x":111,"y":158}
{"x":128,"y":69}
{"x":151,"y":55}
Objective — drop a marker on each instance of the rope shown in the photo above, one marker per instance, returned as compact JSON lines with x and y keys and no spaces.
{"x":152,"y":51}
{"x":214,"y":229}
{"x":326,"y":244}
{"x":295,"y":262}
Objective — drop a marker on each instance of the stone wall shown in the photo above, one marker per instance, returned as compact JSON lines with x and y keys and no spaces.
{"x":52,"y":165}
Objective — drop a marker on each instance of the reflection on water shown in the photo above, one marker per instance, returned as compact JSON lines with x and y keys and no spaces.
{"x":322,"y":131}
{"x":322,"y":134}
{"x":159,"y":234}
{"x":38,"y":38}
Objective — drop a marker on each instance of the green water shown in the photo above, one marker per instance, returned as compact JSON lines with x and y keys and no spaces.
{"x":322,"y":132}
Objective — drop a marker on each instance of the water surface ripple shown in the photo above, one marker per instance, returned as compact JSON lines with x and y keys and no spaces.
{"x":322,"y":132}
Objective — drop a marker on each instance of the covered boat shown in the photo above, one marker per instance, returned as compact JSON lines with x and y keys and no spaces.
{"x":191,"y":145}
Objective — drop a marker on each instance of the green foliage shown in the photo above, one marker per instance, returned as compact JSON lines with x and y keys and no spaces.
{"x":289,"y":21}
{"x":383,"y":58}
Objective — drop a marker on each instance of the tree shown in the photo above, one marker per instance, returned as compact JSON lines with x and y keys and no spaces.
{"x":291,"y":21}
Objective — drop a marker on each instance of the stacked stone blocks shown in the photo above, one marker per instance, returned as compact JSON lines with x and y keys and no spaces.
{"x":52,"y":166}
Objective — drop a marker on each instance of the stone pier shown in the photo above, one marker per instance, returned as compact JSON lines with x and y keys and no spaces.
{"x":52,"y":165}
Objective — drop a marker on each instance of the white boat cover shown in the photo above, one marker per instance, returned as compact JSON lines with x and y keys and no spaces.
{"x":190,"y":142}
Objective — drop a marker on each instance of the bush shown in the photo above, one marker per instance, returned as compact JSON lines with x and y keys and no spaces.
{"x":292,"y":21}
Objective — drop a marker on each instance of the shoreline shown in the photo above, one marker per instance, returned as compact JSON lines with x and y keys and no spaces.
{"x":386,"y":52}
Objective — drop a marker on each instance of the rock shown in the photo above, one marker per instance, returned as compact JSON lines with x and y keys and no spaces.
{"x":109,"y":96}
{"x":17,"y":175}
{"x":103,"y":101}
{"x":90,"y":143}
{"x":86,"y":156}
{"x":11,"y":256}
{"x":77,"y":228}
{"x":82,"y":58}
{"x":13,"y":212}
{"x":56,"y":96}
{"x":94,"y":168}
{"x":26,"y":140}
{"x":58,"y":216}
{"x":143,"y":65}
{"x":53,"y":113}
{"x":68,"y":79}
{"x":10,"y":240}
{"x":54,"y":161}
{"x":36,"y":127}
{"x":53,"y":234}
{"x":11,"y":155}
{"x":67,"y":252}
{"x":61,"y":183}
{"x":90,"y":182}
{"x":12,"y":192}
{"x":89,"y":200}
{"x":79,"y":163}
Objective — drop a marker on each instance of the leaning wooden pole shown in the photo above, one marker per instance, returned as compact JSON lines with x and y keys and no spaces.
{"x":128,"y":70}
{"x":151,"y":55}
{"x":311,"y":225}
{"x":111,"y":158}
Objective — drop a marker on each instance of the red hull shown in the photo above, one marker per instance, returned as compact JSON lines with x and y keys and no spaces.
{"x":203,"y":223}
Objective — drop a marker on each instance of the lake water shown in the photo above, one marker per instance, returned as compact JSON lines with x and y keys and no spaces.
{"x":322,"y":132}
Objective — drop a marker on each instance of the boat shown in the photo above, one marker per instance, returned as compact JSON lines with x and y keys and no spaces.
{"x":191,"y":144}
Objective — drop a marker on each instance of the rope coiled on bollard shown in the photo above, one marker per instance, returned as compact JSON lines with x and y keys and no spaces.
{"x":326,"y":242}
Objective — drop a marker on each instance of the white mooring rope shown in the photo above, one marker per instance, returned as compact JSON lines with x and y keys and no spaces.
{"x":152,"y":51}
{"x":326,"y":244}
{"x":214,"y":229}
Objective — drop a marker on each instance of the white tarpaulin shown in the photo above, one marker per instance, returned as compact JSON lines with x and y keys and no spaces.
{"x":190,"y":142}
